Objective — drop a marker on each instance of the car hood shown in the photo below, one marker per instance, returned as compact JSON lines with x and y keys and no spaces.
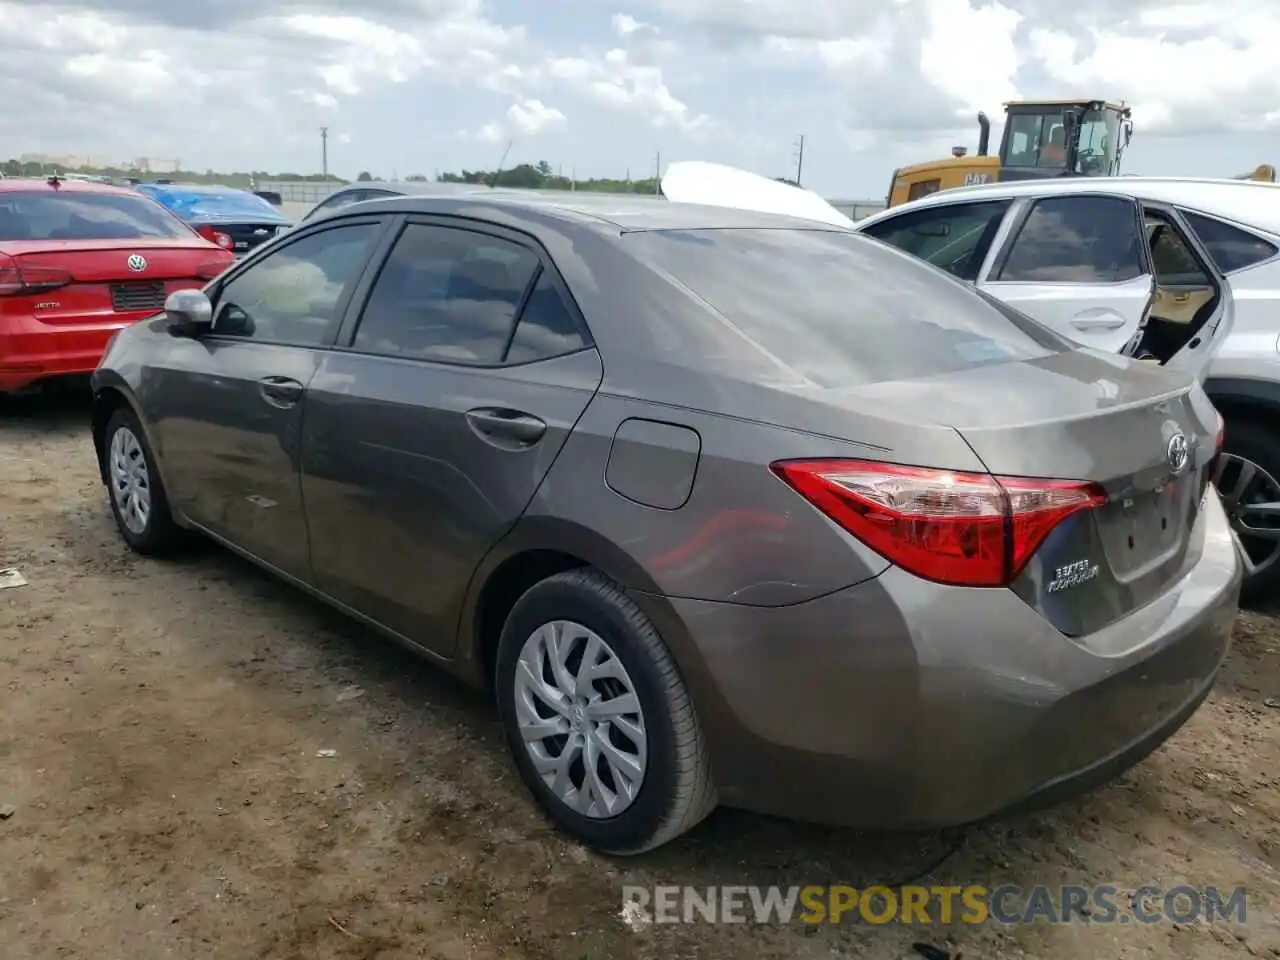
{"x":718,"y":185}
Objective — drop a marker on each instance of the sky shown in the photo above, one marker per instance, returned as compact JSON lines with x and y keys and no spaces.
{"x":607,"y":87}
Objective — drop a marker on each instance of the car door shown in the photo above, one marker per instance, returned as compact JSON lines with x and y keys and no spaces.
{"x":954,"y":236}
{"x":430,"y":426}
{"x":228,"y":406}
{"x":1079,"y":264}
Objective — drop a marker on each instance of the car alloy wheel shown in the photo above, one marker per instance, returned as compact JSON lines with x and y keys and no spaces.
{"x":1251,"y":497}
{"x":130,"y":480}
{"x":580,"y":719}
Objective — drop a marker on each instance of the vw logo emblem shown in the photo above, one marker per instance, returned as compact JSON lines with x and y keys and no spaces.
{"x":1178,"y":452}
{"x":137,"y":263}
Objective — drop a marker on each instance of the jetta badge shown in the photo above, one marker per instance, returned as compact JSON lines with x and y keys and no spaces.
{"x":1178,"y":452}
{"x":137,"y":263}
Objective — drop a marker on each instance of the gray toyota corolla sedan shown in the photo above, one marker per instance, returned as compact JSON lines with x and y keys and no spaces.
{"x":726,"y":507}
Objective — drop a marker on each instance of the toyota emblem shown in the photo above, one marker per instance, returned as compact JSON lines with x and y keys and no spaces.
{"x":137,"y":263}
{"x":1178,"y":453}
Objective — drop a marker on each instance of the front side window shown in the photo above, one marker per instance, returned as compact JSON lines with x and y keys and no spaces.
{"x":74,"y":215}
{"x":293,"y":295}
{"x":1077,"y":239}
{"x":446,"y":294}
{"x":955,"y":237}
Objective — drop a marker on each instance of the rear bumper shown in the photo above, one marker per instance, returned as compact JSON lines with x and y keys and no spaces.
{"x":31,"y":351}
{"x":902,"y":705}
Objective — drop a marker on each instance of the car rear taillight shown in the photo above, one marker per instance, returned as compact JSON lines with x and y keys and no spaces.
{"x":1220,"y":438}
{"x":18,"y":281}
{"x":215,"y":236}
{"x":968,"y":529}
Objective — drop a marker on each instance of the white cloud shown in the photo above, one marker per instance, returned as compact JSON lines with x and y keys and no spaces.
{"x":524,"y":118}
{"x":872,"y":83}
{"x":615,"y":81}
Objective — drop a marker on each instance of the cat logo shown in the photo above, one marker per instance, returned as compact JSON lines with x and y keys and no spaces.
{"x":973,"y":179}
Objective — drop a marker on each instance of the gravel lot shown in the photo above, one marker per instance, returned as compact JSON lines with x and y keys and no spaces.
{"x":160,"y":724}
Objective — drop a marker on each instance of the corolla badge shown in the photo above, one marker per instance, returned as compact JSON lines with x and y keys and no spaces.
{"x":137,"y":263}
{"x":1178,"y":452}
{"x":1071,"y":575}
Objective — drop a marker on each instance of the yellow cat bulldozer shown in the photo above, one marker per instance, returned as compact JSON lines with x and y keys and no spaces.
{"x":1264,"y":172}
{"x":1042,"y":138}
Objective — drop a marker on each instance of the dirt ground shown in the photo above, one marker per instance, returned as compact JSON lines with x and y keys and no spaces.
{"x":161,"y":730}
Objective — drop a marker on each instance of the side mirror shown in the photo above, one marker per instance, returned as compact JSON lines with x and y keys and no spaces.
{"x":190,"y":313}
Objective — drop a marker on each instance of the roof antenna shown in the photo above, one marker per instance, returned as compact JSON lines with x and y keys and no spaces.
{"x":54,"y":180}
{"x":501,"y":163}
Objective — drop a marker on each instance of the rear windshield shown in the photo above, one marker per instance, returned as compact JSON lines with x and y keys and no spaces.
{"x":46,"y":215}
{"x":843,"y":309}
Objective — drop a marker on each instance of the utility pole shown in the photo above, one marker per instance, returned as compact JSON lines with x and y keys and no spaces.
{"x":657,"y":173}
{"x":799,"y":158}
{"x":324,"y":152}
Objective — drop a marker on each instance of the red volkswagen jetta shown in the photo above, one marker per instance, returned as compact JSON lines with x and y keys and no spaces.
{"x":79,"y":261}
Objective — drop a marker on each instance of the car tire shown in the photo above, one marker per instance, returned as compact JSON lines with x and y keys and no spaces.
{"x":1252,"y":441}
{"x":133,"y":481}
{"x":672,"y":786}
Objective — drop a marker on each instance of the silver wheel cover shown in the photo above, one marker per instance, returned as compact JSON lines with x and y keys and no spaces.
{"x":130,"y":480}
{"x":580,"y":719}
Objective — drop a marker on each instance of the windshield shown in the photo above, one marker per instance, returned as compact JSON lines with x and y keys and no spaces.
{"x":842,"y":309}
{"x":1040,"y":140}
{"x":46,"y":215}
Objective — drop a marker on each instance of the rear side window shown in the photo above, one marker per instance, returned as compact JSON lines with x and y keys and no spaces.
{"x":923,"y":188}
{"x":73,"y":215}
{"x":446,"y":294}
{"x":1230,"y":247}
{"x":839,"y":308}
{"x":955,"y":237}
{"x":1077,"y":240}
{"x":547,"y":328}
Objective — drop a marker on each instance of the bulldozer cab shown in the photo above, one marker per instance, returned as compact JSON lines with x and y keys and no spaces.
{"x":1042,"y":138}
{"x":1072,"y":138}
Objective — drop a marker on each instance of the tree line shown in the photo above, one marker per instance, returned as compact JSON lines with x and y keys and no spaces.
{"x":539,"y":176}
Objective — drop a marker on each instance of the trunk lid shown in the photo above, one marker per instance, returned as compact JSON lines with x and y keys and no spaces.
{"x":92,"y":281}
{"x":1145,"y":434}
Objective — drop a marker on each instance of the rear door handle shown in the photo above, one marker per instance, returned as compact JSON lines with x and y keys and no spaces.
{"x":509,"y":426}
{"x":280,"y":391}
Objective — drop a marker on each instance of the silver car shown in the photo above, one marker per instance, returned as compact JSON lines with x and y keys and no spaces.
{"x":723,"y":507}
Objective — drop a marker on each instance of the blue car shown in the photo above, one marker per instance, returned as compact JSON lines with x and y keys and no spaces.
{"x":236,"y":220}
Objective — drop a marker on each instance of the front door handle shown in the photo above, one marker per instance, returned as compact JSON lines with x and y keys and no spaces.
{"x":280,"y":391}
{"x":511,"y":426}
{"x":1105,"y":322}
